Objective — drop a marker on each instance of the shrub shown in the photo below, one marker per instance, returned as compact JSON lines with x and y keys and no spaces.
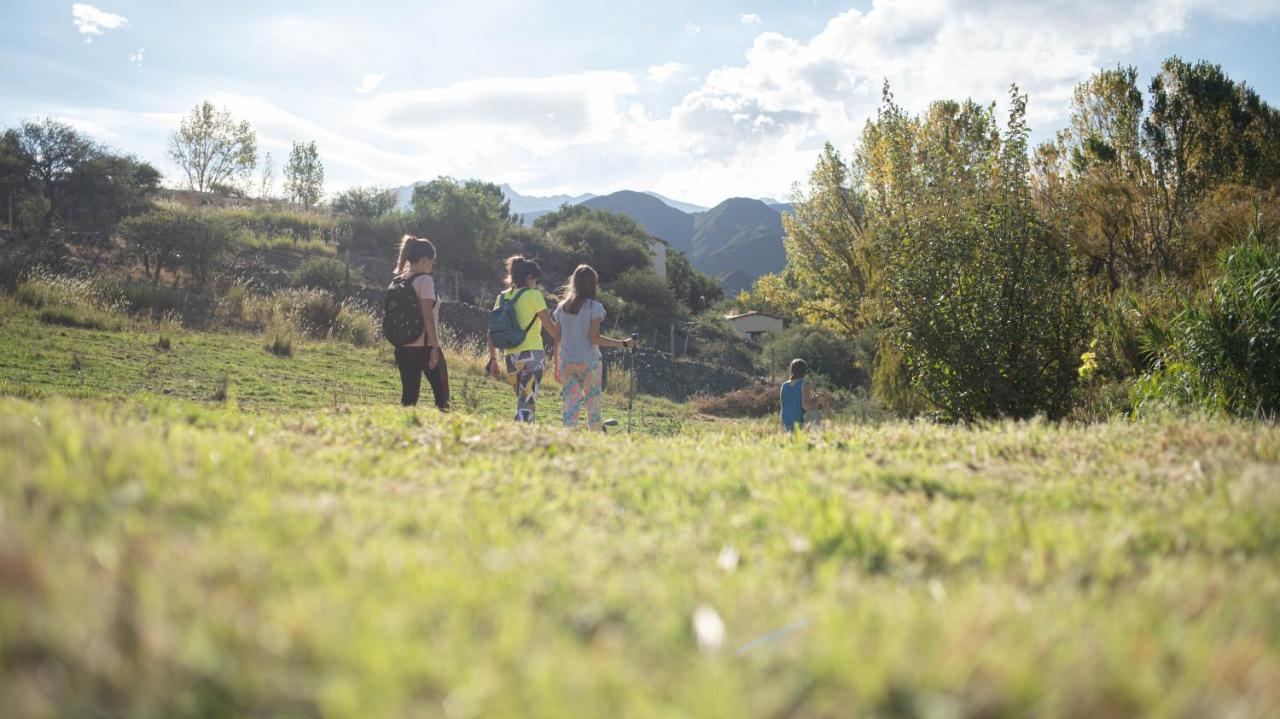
{"x":715,"y":341}
{"x":69,"y":301}
{"x":355,"y":324}
{"x":277,"y":223}
{"x":823,"y":349}
{"x":281,"y":335}
{"x":983,"y":297}
{"x":381,"y":234}
{"x":195,"y":309}
{"x":307,"y":246}
{"x":327,"y":274}
{"x":648,"y":298}
{"x":309,"y":310}
{"x":755,"y":401}
{"x":1226,"y":344}
{"x":173,"y":238}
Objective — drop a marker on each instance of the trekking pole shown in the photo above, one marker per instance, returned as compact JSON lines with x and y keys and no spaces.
{"x":631,"y":396}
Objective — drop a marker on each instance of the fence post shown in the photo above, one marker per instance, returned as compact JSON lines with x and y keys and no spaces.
{"x":347,"y":281}
{"x":673,"y":340}
{"x":772,"y":365}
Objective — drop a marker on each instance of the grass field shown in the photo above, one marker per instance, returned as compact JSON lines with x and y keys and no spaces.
{"x":287,"y":553}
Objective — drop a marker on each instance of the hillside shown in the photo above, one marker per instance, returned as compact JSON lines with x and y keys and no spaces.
{"x":737,"y":240}
{"x":738,"y":234}
{"x":655,"y":216}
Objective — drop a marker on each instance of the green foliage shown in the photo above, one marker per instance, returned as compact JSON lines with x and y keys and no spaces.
{"x":272,"y":222}
{"x":981,"y":292}
{"x":304,"y":175}
{"x":829,"y":248}
{"x":1230,"y":338}
{"x":715,"y":342}
{"x":649,"y":301}
{"x":326,"y":274}
{"x":381,"y":234}
{"x":57,"y":177}
{"x":466,"y":222}
{"x":212,"y":148}
{"x":281,"y":335}
{"x":355,"y":324}
{"x":556,"y":258}
{"x":826,"y":352}
{"x":692,"y":288}
{"x":1132,"y":330}
{"x":311,"y":310}
{"x":69,"y":301}
{"x":171,"y":238}
{"x":611,"y":243}
{"x":364,"y":202}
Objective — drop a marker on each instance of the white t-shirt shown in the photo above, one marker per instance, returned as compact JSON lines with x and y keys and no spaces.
{"x":425,"y":286}
{"x":575,"y":331}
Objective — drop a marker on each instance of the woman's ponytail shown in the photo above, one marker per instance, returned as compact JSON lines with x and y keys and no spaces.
{"x":519,"y":270}
{"x":413,"y":249}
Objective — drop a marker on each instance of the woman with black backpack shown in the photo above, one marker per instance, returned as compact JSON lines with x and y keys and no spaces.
{"x":411,"y":316}
{"x":524,"y":355}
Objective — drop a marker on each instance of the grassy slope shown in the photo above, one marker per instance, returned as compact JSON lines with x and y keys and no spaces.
{"x":163,"y":557}
{"x":39,"y":360}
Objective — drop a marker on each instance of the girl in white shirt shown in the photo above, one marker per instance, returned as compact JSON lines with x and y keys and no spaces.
{"x":578,"y":353}
{"x":422,"y":356}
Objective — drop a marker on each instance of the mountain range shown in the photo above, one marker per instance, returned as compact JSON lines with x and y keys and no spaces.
{"x":736,"y":241}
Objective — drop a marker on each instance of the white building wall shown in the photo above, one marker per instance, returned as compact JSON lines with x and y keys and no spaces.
{"x":659,"y":258}
{"x":751,"y":326}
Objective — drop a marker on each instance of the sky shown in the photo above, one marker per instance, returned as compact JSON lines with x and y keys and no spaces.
{"x":698,"y":101}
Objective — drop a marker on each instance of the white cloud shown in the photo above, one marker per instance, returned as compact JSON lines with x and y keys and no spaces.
{"x":137,"y":57}
{"x":90,"y":21}
{"x":750,"y":19}
{"x":751,"y":128}
{"x":791,"y":95}
{"x":691,"y":29}
{"x":370,"y":82}
{"x":539,"y":114}
{"x":665,"y":72}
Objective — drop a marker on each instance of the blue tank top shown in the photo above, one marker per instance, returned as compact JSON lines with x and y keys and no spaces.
{"x":793,"y":403}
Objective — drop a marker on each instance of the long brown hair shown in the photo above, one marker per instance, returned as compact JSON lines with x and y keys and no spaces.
{"x":581,"y":287}
{"x":413,"y":249}
{"x":519,"y":270}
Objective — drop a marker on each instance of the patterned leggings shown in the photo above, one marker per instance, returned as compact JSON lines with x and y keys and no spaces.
{"x":524,"y":372}
{"x":582,"y":386}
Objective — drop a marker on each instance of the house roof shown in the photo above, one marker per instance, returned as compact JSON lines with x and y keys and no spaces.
{"x":653,"y":238}
{"x":752,"y":313}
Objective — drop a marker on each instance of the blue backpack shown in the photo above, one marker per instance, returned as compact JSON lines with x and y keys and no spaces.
{"x":504,"y":329}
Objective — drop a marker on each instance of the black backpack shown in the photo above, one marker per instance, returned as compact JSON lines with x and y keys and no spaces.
{"x":402,"y":312}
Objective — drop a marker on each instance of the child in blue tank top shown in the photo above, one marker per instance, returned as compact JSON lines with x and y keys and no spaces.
{"x":796,"y":397}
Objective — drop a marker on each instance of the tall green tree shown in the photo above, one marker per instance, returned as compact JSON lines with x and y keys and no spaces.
{"x":213,"y":149}
{"x":1108,"y":179}
{"x":827,"y":241}
{"x":696,"y":290}
{"x":980,"y":293}
{"x":1202,"y":130}
{"x":53,"y":152}
{"x":304,"y":175}
{"x":466,"y":221}
{"x":14,"y":168}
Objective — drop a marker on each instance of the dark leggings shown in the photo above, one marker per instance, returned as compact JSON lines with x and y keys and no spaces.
{"x":412,"y":362}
